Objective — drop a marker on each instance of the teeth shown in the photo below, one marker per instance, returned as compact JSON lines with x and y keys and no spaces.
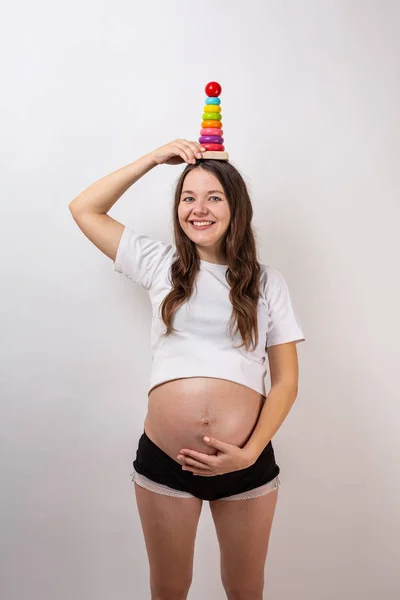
{"x":202,"y":223}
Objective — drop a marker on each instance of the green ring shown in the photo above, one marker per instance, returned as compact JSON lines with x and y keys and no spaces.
{"x":212,"y":116}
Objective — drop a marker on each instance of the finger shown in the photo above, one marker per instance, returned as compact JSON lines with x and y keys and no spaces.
{"x":196,"y":463}
{"x":197,"y":149}
{"x":202,"y":457}
{"x":185,"y":155}
{"x":191,"y":149}
{"x":182,"y":151}
{"x":220,"y":445}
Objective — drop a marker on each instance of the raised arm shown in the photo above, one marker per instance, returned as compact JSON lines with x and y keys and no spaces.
{"x":90,"y":208}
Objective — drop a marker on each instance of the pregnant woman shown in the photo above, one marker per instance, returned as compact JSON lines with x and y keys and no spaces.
{"x":217,"y":315}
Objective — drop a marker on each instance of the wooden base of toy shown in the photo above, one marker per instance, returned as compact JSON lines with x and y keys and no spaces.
{"x":215,"y":155}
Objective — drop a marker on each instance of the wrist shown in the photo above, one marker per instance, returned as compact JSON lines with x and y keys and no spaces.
{"x":251,"y":455}
{"x":153,"y":159}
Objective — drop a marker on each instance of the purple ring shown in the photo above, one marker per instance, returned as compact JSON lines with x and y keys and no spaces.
{"x":211,"y":139}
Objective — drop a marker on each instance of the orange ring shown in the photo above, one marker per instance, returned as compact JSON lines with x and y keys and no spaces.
{"x":217,"y":124}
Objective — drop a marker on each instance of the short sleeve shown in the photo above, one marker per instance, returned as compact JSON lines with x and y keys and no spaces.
{"x":283,"y":323}
{"x":141,"y":258}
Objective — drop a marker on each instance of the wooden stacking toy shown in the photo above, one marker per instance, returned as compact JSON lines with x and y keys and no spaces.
{"x":211,"y":132}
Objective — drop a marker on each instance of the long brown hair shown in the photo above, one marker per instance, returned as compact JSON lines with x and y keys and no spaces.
{"x":239,"y":246}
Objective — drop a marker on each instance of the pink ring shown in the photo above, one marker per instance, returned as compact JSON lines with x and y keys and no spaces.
{"x":211,"y":131}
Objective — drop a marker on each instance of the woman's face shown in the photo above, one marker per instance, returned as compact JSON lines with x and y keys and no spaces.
{"x":203,"y":199}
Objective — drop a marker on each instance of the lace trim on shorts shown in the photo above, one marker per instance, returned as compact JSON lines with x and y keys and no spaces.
{"x":159,"y":488}
{"x":165,"y":490}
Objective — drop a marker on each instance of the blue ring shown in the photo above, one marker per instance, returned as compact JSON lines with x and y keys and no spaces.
{"x":213,"y":101}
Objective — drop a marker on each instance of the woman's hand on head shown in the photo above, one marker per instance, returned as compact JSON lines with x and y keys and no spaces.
{"x":177,"y":152}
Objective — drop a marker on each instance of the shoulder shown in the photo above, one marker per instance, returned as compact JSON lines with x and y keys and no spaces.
{"x":271,"y":280}
{"x":143,"y":258}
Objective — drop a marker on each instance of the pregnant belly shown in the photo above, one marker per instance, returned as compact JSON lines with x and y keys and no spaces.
{"x":182,"y":411}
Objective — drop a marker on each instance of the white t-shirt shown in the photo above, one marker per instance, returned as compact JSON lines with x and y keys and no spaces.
{"x":202,"y":346}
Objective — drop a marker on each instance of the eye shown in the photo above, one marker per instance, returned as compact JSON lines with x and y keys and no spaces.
{"x":191,"y":198}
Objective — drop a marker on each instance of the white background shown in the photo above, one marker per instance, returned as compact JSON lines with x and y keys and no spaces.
{"x":310,"y":106}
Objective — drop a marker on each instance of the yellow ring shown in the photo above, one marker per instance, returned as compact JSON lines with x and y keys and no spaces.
{"x":212,"y":108}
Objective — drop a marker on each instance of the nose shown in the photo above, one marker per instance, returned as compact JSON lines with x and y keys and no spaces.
{"x":200,"y":210}
{"x":201,"y":207}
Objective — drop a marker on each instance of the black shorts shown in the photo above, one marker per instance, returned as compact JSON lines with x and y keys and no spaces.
{"x":154,"y":465}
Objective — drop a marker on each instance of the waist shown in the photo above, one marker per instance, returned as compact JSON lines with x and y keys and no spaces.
{"x":230,"y":365}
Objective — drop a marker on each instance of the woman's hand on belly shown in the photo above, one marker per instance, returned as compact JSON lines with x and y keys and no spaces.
{"x":228,"y":458}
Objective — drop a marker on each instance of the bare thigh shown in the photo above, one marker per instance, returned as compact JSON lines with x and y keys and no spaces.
{"x":169,"y":526}
{"x":243,"y":528}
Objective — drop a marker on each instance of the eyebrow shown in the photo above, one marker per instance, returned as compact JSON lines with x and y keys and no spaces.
{"x":209,"y":192}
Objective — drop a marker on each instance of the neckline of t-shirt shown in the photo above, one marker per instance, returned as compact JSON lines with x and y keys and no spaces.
{"x":211,"y":265}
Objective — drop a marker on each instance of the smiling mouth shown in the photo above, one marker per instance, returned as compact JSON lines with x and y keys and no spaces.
{"x":209,"y":224}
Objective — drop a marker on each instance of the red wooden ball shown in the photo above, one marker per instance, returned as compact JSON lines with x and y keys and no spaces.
{"x":213,"y":89}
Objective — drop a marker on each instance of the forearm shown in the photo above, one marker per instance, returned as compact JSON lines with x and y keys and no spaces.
{"x":275,"y":410}
{"x":103,"y":194}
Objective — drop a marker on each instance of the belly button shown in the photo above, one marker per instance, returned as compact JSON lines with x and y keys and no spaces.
{"x":205,"y":421}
